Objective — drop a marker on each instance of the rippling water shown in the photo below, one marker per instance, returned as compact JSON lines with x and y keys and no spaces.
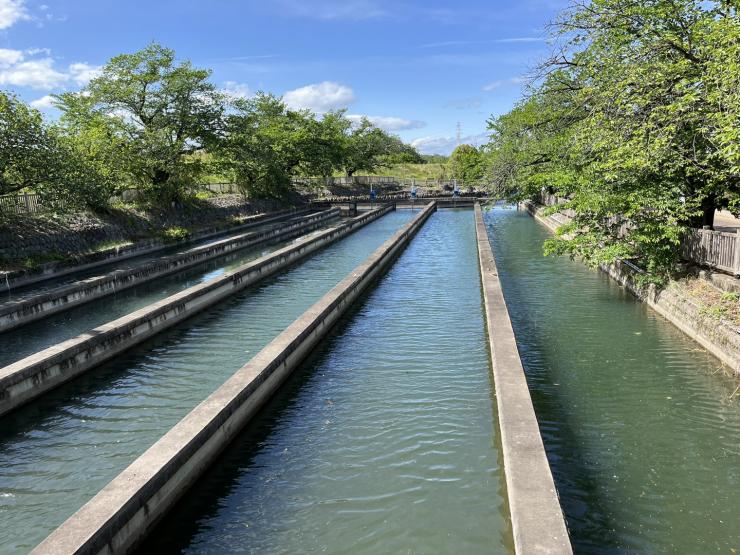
{"x":29,"y":339}
{"x":58,"y":452}
{"x":384,"y":442}
{"x":641,"y":434}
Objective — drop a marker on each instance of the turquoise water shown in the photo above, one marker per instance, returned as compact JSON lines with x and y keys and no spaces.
{"x":58,"y":452}
{"x":638,"y":422}
{"x":385,"y":440}
{"x":36,"y":336}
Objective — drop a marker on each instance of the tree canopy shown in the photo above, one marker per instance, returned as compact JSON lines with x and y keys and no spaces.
{"x":466,"y":163}
{"x":158,"y":124}
{"x":634,"y":121}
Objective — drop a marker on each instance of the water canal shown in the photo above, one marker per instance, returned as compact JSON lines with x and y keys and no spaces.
{"x":55,"y":328}
{"x":59,"y":451}
{"x":385,"y":440}
{"x":641,"y":434}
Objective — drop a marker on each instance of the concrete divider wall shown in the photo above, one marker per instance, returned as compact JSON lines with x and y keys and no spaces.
{"x":22,"y":278}
{"x":19,"y":313}
{"x":128,"y":508}
{"x":536,"y":516}
{"x":34,"y":375}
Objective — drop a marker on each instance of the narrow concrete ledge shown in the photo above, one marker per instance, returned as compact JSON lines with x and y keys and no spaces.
{"x":128,"y":508}
{"x":536,"y":516}
{"x":34,"y":375}
{"x":720,"y":338}
{"x":22,"y":312}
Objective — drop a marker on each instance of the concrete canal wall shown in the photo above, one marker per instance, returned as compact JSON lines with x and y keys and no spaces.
{"x":21,"y":278}
{"x":128,"y":508}
{"x":36,"y":307}
{"x":33,"y":376}
{"x":718,"y":337}
{"x":536,"y":516}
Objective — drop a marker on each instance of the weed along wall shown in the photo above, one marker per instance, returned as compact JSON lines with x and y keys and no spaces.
{"x":120,"y":516}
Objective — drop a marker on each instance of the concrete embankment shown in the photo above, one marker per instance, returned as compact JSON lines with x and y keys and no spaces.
{"x":21,"y":312}
{"x":718,"y":337}
{"x":33,"y":376}
{"x":21,"y":278}
{"x":536,"y":516}
{"x":128,"y":508}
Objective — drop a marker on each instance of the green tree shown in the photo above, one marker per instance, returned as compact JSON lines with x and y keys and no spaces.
{"x":158,"y":113}
{"x":40,"y":158}
{"x":633,"y":119}
{"x":29,"y":151}
{"x":466,"y":163}
{"x":266,"y":144}
{"x":368,"y":148}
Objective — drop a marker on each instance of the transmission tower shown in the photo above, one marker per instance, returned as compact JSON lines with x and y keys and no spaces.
{"x":459,"y":133}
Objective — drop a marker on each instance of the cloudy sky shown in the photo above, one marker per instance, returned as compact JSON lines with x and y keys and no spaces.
{"x":415,"y":67}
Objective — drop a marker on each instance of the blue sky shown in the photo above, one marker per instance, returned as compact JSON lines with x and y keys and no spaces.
{"x":417,"y":67}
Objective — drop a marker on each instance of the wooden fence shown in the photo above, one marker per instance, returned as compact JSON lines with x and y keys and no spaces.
{"x":714,"y":249}
{"x":27,"y":203}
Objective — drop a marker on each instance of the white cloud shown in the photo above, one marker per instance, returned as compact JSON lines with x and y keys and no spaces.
{"x":37,"y":74}
{"x":81,"y":73}
{"x":9,"y":57}
{"x":388,"y":123}
{"x":11,"y":11}
{"x":445,"y":145}
{"x":503,"y":82}
{"x":43,"y":103}
{"x":41,"y":72}
{"x":320,"y":97}
{"x":234,"y":90}
{"x":354,"y":10}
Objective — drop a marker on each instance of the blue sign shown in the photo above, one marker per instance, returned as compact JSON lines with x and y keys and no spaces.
{"x":373,"y":194}
{"x":413,"y":193}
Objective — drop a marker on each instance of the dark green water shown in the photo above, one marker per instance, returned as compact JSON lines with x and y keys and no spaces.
{"x":60,"y":451}
{"x":642,"y":436}
{"x":384,"y":442}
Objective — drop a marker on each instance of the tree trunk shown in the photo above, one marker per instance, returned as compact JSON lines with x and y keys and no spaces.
{"x":708,"y":208}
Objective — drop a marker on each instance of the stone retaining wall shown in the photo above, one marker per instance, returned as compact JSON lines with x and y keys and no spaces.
{"x":28,"y":235}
